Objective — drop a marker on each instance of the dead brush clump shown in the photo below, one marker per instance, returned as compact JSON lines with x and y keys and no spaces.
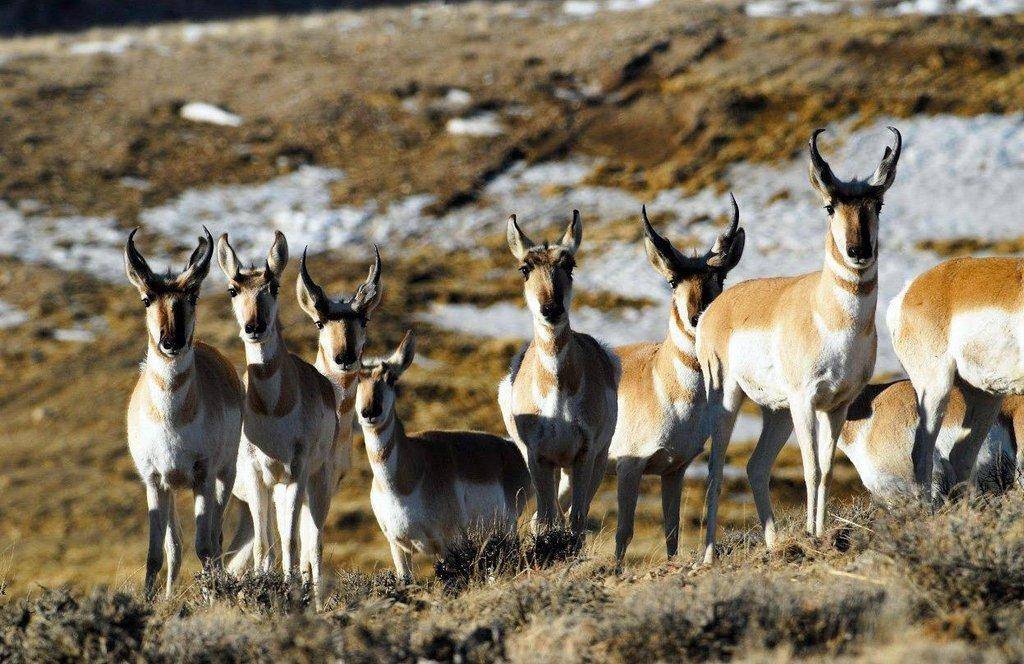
{"x":58,"y":626}
{"x":968,"y":554}
{"x":354,"y":588}
{"x":262,"y":593}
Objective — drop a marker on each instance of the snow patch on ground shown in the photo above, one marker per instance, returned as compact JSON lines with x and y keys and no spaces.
{"x":11,"y":316}
{"x":479,"y":124}
{"x":583,"y":8}
{"x":199,"y":111}
{"x":114,"y":46}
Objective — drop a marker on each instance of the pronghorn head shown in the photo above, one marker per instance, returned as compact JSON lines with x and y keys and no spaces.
{"x":375,"y":394}
{"x":547,"y":270}
{"x":170,"y":300}
{"x":853,"y":205}
{"x":342,"y":322}
{"x":254,"y":290}
{"x":695,"y":280}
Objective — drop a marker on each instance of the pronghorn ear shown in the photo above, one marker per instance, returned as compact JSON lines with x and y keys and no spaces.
{"x":517,"y":240}
{"x":277,"y":258}
{"x":369,"y":294}
{"x":227,"y":257}
{"x":135,"y":266}
{"x":310,"y":296}
{"x":402,"y":358}
{"x":573,"y":234}
{"x":660,"y":251}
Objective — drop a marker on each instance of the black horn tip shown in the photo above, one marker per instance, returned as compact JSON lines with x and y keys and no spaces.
{"x":575,"y":215}
{"x":512,"y":218}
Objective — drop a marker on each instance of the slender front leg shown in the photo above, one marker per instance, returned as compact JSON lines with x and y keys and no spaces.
{"x":544,"y":476}
{"x":158,"y":501}
{"x":205,"y":500}
{"x":628,"y":475}
{"x":582,"y":472}
{"x":403,"y":563}
{"x":724,"y":406}
{"x":287,"y":501}
{"x":311,"y":529}
{"x":777,"y":425}
{"x":829,"y":427}
{"x":805,"y":424}
{"x":671,"y":496}
{"x":172,"y":546}
{"x":259,"y":511}
{"x":223,"y":488}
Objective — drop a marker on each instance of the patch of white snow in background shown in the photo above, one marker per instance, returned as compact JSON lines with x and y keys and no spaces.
{"x":75,"y":335}
{"x":198,"y":111}
{"x":479,"y":124}
{"x":11,"y":316}
{"x":116,"y":46}
{"x":583,"y":8}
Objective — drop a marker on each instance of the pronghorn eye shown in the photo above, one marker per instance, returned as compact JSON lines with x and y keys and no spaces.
{"x":694,"y":319}
{"x":878,"y":207}
{"x":525,"y":271}
{"x":146,"y":301}
{"x":193,"y":299}
{"x":232,"y":291}
{"x":273,"y":289}
{"x":831,"y":210}
{"x":673,"y":282}
{"x":319,"y":324}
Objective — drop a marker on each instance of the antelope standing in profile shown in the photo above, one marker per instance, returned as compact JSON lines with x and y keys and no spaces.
{"x":558,"y":400}
{"x":661,"y":424}
{"x":342,"y":327}
{"x":289,"y":423}
{"x":802,"y":347}
{"x":431,"y":488}
{"x":184,"y":415}
{"x":960,"y":324}
{"x":879,"y":434}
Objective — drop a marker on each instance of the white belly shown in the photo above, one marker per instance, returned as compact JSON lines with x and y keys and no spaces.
{"x":755,"y":365}
{"x":986,"y":346}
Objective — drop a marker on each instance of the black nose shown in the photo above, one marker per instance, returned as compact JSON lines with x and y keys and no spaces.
{"x":368,"y":413}
{"x":345,"y":359}
{"x":858,"y":253}
{"x":551,"y":310}
{"x":169,"y":344}
{"x":255,"y":328}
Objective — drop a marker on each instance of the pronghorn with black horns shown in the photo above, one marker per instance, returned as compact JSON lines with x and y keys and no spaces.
{"x":959,"y":326}
{"x":558,"y":400}
{"x":661,"y":425}
{"x":342,"y":325}
{"x":802,"y":347}
{"x":185,"y":413}
{"x":290,"y":420}
{"x":432,"y":488}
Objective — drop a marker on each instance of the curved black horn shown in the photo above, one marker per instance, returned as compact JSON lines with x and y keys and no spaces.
{"x":725,"y":239}
{"x":820,"y":169}
{"x":886,"y":171}
{"x":137,"y":268}
{"x":370,"y":288}
{"x":199,"y":262}
{"x":660,"y":243}
{"x":316,"y":293}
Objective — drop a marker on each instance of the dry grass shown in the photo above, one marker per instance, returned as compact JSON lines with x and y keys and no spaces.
{"x":854,"y":595}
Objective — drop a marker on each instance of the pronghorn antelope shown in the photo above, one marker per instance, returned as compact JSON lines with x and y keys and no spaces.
{"x":185,"y":413}
{"x":433,"y":487}
{"x":802,"y":347}
{"x":660,"y":427}
{"x":289,"y":423}
{"x":959,"y":324}
{"x":558,"y":400}
{"x":342,"y":336}
{"x":878,"y":437}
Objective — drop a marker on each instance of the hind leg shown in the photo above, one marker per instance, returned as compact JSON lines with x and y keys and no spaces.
{"x":776,"y":427}
{"x":222,"y":494}
{"x":979,"y":416}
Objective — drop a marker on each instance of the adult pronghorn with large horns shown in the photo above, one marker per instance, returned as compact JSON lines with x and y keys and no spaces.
{"x":342,"y":324}
{"x":558,"y":400}
{"x":289,"y":424}
{"x":185,"y":413}
{"x":801,"y":347}
{"x":660,"y":427}
{"x":959,"y":325}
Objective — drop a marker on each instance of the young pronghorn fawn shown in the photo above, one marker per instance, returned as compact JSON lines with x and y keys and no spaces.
{"x":958,"y":325}
{"x":289,"y":423}
{"x":802,"y":347}
{"x":185,"y":413}
{"x":660,"y":427}
{"x":431,"y":488}
{"x":342,"y":326}
{"x":879,"y":433}
{"x":558,"y":400}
